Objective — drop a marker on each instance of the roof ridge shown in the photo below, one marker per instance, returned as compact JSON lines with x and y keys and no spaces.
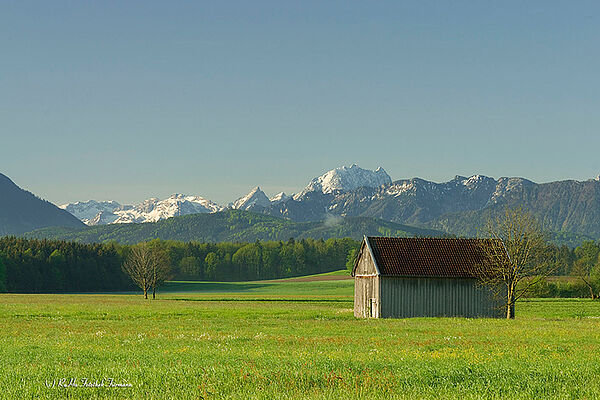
{"x":426,"y":238}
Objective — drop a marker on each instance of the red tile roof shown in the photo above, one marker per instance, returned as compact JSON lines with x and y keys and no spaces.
{"x":429,"y":257}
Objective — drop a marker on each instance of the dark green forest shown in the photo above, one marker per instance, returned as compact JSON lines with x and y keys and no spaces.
{"x":34,"y":265}
{"x":31,"y":265}
{"x":57,"y":266}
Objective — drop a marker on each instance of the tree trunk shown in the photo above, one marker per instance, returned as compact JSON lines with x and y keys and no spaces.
{"x":153,"y":293}
{"x":510,"y":304}
{"x":145,"y":293}
{"x":510,"y":311}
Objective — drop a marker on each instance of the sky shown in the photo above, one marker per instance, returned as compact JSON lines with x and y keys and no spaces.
{"x":130,"y":100}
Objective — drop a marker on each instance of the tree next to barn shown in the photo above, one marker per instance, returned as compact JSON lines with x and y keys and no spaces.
{"x":421,"y":277}
{"x":514,"y":261}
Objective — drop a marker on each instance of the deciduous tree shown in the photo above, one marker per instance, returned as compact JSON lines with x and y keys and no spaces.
{"x":160,"y":269}
{"x":587,"y":266}
{"x":513,"y":256}
{"x":147,"y":267}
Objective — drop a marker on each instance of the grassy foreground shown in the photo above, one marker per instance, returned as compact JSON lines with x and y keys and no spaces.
{"x":277,"y":341}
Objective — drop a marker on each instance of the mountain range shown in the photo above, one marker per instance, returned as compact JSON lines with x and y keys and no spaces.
{"x":459,"y":206}
{"x":337,"y":180}
{"x":151,"y":210}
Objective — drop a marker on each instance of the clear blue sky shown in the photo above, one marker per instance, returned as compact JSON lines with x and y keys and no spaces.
{"x":126,"y":101}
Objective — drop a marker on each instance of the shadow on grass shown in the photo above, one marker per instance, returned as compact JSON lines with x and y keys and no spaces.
{"x":294,"y":300}
{"x":202,"y":287}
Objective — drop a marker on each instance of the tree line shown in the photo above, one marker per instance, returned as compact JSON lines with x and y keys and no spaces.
{"x":257,"y":260}
{"x":57,"y":266}
{"x":33,"y":265}
{"x":40,"y":265}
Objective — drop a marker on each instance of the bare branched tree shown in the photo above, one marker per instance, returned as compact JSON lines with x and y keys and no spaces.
{"x":147,"y":267}
{"x":513,"y":256}
{"x":587,"y":266}
{"x":160,"y":271}
{"x":589,"y":275}
{"x":138,"y":266}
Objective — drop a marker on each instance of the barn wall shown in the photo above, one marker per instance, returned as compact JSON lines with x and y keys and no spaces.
{"x":436,"y":297}
{"x":366,"y":286}
{"x":365,"y":289}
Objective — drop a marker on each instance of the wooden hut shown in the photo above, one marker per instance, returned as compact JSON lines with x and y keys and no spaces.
{"x":421,"y":277}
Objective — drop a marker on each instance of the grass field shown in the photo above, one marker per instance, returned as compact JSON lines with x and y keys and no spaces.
{"x":289,"y":339}
{"x":324,"y":286}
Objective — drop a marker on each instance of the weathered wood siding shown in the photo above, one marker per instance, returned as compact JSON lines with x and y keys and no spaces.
{"x":365,"y":265}
{"x":435,"y":297}
{"x":366,"y":287}
{"x":366,"y":297}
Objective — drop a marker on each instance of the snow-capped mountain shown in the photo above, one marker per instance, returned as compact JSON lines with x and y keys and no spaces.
{"x":150,"y":210}
{"x":279,"y":197}
{"x":102,"y":218}
{"x":153,"y":209}
{"x":87,"y":211}
{"x":255,"y":198}
{"x":457,"y":206}
{"x":345,"y":179}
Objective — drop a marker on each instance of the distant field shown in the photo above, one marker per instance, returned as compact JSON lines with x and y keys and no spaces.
{"x":332,"y":284}
{"x":293,"y":340}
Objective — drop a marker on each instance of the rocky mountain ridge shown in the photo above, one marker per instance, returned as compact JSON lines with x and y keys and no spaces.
{"x":151,"y":210}
{"x":458,"y":206}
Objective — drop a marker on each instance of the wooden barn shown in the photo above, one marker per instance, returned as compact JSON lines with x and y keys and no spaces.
{"x":421,"y":277}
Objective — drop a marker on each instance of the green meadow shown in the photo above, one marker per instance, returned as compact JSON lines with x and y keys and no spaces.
{"x":289,"y":339}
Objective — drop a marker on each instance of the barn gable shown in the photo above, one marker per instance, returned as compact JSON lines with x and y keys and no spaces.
{"x":365,"y":264}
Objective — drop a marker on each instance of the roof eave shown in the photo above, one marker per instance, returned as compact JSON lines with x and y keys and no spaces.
{"x":427,"y":276}
{"x":372,"y":256}
{"x":358,"y":257}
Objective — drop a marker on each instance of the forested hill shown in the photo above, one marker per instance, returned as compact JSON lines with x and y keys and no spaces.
{"x":232,"y":226}
{"x":21,"y":211}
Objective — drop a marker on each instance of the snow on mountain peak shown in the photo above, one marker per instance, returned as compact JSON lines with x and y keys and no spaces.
{"x":476,"y":180}
{"x":597,"y":178}
{"x":150,"y":210}
{"x":255,"y":197}
{"x":87,"y":211}
{"x":346,"y":178}
{"x":279,"y":197}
